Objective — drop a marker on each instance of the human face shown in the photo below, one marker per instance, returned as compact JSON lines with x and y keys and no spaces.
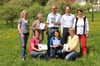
{"x":54,"y":9}
{"x":36,"y":34}
{"x":56,"y":34}
{"x":40,"y":17}
{"x":25,"y":15}
{"x":71,"y":32}
{"x":67,"y":10}
{"x":79,"y":14}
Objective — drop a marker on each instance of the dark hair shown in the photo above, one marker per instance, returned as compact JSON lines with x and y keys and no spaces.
{"x":80,"y":10}
{"x":57,"y":32}
{"x":69,"y":7}
{"x":37,"y":31}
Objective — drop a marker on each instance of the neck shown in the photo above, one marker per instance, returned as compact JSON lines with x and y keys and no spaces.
{"x":67,"y":13}
{"x":72,"y":35}
{"x":80,"y":16}
{"x":25,"y":18}
{"x":56,"y":37}
{"x":54,"y":13}
{"x":39,"y":20}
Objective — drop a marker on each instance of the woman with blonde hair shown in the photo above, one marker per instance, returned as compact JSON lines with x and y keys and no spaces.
{"x":23,"y":28}
{"x":73,"y":50}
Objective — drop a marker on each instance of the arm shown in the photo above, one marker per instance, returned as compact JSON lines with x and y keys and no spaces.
{"x":62,"y":25}
{"x":22,"y":35}
{"x":33,"y":26}
{"x":51,"y":43}
{"x":35,"y":48}
{"x":87,"y":28}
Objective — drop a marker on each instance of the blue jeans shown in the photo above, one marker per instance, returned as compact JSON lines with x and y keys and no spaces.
{"x":23,"y":44}
{"x":54,"y":52}
{"x":50,"y":34}
{"x":71,"y":55}
{"x":37,"y":54}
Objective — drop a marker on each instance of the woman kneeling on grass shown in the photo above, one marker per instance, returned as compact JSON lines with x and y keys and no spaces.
{"x":56,"y":44}
{"x":34,"y":51}
{"x":73,"y":46}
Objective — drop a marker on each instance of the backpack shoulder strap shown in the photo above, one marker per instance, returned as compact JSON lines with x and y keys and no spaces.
{"x":76,"y":25}
{"x":84,"y":24}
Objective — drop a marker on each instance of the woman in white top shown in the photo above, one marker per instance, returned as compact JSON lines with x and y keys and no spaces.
{"x":81,"y":29}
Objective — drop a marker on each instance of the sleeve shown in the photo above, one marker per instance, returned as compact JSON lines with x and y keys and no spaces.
{"x":60,"y":18}
{"x":73,"y":20}
{"x":62,"y":24}
{"x":48,"y":19}
{"x":32,"y":41}
{"x":87,"y":25}
{"x":74,"y":23}
{"x":19,"y":21}
{"x":51,"y":41}
{"x":76,"y":40}
{"x":33,"y":26}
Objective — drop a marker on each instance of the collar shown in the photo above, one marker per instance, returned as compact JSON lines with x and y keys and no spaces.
{"x":68,"y":15}
{"x":57,"y":39}
{"x":55,"y":14}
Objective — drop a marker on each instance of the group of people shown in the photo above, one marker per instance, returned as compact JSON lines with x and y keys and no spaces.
{"x":74,"y":31}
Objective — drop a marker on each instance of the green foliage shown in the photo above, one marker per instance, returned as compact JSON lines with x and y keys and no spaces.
{"x":41,"y":2}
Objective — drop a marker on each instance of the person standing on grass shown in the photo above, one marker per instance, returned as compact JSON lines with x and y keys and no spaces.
{"x":34,"y":51}
{"x":56,"y":44}
{"x":73,"y":50}
{"x":23,"y":28}
{"x":81,"y":29}
{"x":36,"y":26}
{"x":53,"y":23}
{"x":66,"y":22}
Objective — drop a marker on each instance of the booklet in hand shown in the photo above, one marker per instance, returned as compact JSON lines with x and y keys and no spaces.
{"x":42,"y":46}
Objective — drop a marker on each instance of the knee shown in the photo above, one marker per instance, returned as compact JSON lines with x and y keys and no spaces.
{"x":67,"y":58}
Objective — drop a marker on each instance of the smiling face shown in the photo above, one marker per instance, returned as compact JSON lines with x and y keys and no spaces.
{"x":67,"y":10}
{"x":79,"y":13}
{"x":36,"y":34}
{"x":24,"y":15}
{"x":54,"y":9}
{"x":71,"y":31}
{"x":56,"y":34}
{"x":40,"y":17}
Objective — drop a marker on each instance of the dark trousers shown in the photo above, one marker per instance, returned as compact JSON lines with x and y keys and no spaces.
{"x":50,"y":34}
{"x":65,"y":34}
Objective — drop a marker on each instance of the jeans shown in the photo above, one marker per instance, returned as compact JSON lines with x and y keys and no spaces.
{"x":23,"y":44}
{"x":50,"y":34}
{"x":37,"y":54}
{"x":54,"y":52}
{"x":71,"y":55}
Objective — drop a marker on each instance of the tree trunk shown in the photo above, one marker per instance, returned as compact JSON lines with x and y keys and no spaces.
{"x":12,"y":23}
{"x":7,"y":22}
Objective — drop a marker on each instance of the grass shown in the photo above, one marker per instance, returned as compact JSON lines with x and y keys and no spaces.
{"x":10,"y":51}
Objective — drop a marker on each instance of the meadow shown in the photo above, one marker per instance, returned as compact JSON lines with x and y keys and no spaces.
{"x":10,"y":47}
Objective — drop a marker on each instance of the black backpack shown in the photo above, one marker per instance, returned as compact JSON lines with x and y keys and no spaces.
{"x":76,"y":25}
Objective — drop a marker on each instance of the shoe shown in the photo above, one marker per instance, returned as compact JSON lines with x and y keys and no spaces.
{"x":23,"y":59}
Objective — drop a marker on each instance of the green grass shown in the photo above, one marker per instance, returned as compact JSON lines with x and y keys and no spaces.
{"x":10,"y":52}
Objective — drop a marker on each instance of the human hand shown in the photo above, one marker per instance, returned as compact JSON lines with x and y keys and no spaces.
{"x":22,"y":35}
{"x":86,"y":35}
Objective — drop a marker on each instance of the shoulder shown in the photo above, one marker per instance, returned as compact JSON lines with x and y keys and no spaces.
{"x":76,"y":36}
{"x":58,"y":14}
{"x":52,"y":38}
{"x":20,"y":19}
{"x":72,"y":15}
{"x":49,"y":14}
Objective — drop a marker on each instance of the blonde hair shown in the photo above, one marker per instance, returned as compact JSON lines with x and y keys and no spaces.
{"x":23,"y":12}
{"x":38,"y":15}
{"x":73,"y":29}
